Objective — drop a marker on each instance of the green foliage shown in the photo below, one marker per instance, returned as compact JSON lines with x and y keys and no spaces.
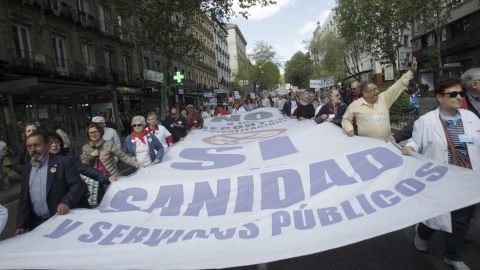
{"x":298,"y":70}
{"x":334,"y":54}
{"x":377,"y":25}
{"x":260,"y":68}
{"x":401,"y":104}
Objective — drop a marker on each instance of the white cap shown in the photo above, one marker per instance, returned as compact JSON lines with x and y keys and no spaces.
{"x":98,"y":119}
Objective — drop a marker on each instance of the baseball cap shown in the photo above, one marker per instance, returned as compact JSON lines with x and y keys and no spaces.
{"x":98,"y":119}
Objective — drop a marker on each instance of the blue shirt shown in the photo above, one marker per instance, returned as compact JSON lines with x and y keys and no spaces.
{"x":38,"y":187}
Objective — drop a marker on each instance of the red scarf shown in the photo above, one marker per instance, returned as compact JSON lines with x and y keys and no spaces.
{"x":144,"y":133}
{"x":152,"y":129}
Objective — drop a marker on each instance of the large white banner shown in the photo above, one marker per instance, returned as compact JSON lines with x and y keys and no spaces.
{"x":324,"y":82}
{"x":247,"y":189}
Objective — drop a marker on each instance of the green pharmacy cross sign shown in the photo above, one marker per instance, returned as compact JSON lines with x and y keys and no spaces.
{"x":178,"y":77}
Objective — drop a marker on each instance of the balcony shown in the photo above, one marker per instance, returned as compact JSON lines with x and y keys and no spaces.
{"x":41,"y":65}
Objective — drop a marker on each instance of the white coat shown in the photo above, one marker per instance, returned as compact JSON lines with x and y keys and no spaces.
{"x":429,"y":139}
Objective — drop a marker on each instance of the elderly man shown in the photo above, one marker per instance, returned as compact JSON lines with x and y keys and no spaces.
{"x":312,"y":100}
{"x":194,"y":118}
{"x":471,"y":84}
{"x":51,"y":185}
{"x":354,"y":94}
{"x":372,"y":110}
{"x":109,"y":133}
{"x":179,"y":124}
{"x":333,"y":111}
{"x":265,"y":101}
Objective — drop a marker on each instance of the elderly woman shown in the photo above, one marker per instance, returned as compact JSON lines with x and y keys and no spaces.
{"x":447,"y":134}
{"x":100,"y":154}
{"x":324,"y":101}
{"x":23,"y":157}
{"x":142,"y":145}
{"x":305,"y":109}
{"x":56,"y":148}
{"x":162,"y":134}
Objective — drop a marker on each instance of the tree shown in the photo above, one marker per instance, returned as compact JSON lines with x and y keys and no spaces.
{"x":336,"y":56}
{"x":299,"y":69}
{"x":435,"y":15}
{"x":168,"y":25}
{"x":378,"y":25}
{"x":261,"y":67}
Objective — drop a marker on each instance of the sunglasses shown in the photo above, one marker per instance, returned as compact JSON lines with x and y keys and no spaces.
{"x":454,"y":94}
{"x":174,"y":113}
{"x":137,"y":125}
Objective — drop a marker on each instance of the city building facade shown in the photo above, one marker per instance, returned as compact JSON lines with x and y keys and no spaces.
{"x":460,"y":45}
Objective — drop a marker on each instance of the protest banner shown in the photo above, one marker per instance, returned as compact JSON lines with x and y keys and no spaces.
{"x":236,"y":94}
{"x":324,"y":82}
{"x":247,"y":189}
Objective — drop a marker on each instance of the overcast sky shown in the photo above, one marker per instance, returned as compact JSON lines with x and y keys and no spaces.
{"x":286,"y":25}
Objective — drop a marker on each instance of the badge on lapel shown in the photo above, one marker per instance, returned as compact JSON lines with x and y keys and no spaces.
{"x":53,"y":170}
{"x":133,"y":140}
{"x":149,"y":139}
{"x":106,"y":157}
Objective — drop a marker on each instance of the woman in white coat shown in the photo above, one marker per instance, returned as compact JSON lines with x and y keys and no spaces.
{"x":448,"y":135}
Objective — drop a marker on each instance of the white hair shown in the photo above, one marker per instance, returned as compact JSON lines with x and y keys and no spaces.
{"x":139,"y":118}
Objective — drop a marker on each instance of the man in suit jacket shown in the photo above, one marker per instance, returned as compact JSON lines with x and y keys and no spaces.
{"x":51,"y":185}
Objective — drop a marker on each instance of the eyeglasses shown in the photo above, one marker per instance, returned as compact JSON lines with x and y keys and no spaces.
{"x":93,"y":132}
{"x":455,"y":94}
{"x":376,"y":89}
{"x":55,"y":142}
{"x":174,"y":113}
{"x":137,"y":125}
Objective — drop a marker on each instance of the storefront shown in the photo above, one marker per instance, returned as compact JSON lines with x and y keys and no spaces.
{"x":47,"y":103}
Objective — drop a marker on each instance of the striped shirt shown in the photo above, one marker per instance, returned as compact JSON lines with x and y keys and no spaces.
{"x":455,"y":128}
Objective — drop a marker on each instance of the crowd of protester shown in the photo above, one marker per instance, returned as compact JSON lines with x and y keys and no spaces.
{"x":446,"y":134}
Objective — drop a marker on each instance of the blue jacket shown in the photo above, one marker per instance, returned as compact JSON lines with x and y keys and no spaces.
{"x":287,"y":107}
{"x":246,"y":107}
{"x":153,"y":144}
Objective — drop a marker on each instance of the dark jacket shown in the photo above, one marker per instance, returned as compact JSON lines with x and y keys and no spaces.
{"x":177,"y":131}
{"x":328,"y":109}
{"x":406,"y":132}
{"x":307,"y":111}
{"x":64,"y":185}
{"x":22,"y":158}
{"x":287,"y":107}
{"x":348,"y":97}
{"x":89,"y":171}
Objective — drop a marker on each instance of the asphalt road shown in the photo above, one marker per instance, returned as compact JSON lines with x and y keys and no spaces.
{"x":390,"y":251}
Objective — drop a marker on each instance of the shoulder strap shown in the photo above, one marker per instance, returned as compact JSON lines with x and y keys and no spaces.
{"x":453,"y":151}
